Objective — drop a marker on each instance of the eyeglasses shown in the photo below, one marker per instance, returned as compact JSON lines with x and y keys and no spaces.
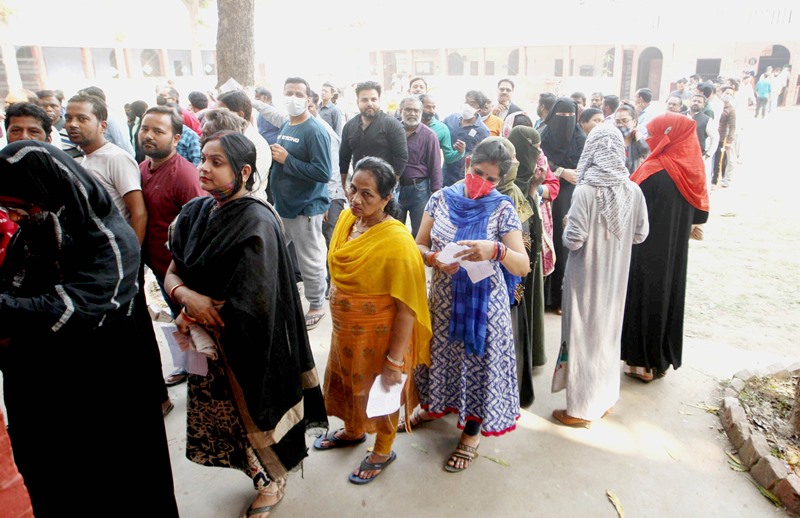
{"x":504,"y":90}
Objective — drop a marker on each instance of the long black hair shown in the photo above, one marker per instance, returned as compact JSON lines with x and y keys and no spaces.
{"x":240,"y":152}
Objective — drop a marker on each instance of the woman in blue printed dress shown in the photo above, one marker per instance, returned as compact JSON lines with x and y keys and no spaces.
{"x":472,"y":369}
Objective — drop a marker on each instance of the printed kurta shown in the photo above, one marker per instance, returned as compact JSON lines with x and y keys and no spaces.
{"x":479,"y":388}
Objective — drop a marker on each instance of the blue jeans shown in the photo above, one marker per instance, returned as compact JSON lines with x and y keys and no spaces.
{"x":413,"y":199}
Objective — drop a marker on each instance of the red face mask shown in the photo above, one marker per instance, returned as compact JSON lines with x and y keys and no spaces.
{"x":477,"y":187}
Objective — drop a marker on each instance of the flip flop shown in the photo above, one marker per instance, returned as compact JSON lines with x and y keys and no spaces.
{"x":177,"y":377}
{"x":336,"y":442}
{"x":312,"y":320}
{"x":366,"y":465}
{"x":252,"y":511}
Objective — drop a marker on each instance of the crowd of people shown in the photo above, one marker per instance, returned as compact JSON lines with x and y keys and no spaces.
{"x":580,"y":207}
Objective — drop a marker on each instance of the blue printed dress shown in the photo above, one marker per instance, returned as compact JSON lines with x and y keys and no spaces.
{"x":478,"y":388}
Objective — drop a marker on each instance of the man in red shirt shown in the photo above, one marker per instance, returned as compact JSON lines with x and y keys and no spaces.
{"x":168,"y":182}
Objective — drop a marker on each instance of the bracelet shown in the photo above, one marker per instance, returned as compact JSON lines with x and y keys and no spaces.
{"x":496,"y":250}
{"x":172,"y":291}
{"x":558,"y":172}
{"x":186,"y":316}
{"x":393,"y":368}
{"x":395,"y":362}
{"x":503,"y":250}
{"x":428,"y":258}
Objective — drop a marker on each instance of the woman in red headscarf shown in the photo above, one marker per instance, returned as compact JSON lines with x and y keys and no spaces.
{"x":672,"y":179}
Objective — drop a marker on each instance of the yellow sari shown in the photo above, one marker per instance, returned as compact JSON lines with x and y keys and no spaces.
{"x":367,"y":274}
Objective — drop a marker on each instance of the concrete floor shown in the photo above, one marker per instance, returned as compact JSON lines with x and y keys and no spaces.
{"x":658,"y":452}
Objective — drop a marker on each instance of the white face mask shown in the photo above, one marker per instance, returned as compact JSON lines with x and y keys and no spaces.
{"x":467,"y":111}
{"x":295,"y":106}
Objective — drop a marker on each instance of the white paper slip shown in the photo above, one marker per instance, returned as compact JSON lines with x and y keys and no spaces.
{"x":478,"y":271}
{"x":447,"y":254}
{"x":381,"y":402}
{"x":472,"y":132}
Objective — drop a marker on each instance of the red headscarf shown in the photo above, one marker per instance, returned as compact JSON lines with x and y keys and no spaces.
{"x":7,"y":230}
{"x":674,"y":147}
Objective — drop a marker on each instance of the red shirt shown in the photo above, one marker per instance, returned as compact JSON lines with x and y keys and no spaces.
{"x":165,"y":190}
{"x":190,"y":120}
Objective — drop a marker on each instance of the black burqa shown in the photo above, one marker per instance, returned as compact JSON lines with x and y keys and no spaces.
{"x":562,"y":144}
{"x":66,"y":290}
{"x":673,"y":182}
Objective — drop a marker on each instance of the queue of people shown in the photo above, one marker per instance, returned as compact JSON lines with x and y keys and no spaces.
{"x":574,"y":212}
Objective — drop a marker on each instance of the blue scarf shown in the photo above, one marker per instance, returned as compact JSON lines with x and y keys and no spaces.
{"x":470,"y":301}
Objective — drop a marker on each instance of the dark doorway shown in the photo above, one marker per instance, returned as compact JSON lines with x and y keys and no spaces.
{"x":649,"y":72}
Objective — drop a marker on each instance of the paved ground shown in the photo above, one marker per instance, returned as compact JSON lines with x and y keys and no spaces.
{"x":660,"y":452}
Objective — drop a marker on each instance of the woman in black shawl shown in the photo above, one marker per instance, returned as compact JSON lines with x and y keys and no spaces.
{"x":562,"y":144}
{"x":232,"y":274}
{"x":67,"y":286}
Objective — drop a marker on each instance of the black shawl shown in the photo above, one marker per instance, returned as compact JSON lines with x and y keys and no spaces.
{"x":237,"y":253}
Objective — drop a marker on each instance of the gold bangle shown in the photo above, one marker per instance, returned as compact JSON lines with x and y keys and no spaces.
{"x":172,"y":291}
{"x":186,"y":316}
{"x":392,"y":367}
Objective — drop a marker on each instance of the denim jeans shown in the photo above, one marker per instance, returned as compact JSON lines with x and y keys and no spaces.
{"x":413,"y":199}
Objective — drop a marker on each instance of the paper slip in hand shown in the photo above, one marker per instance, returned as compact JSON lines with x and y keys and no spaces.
{"x":447,"y":254}
{"x":477,"y":270}
{"x":381,"y":402}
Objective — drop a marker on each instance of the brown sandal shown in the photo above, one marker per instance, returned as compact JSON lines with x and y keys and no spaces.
{"x":415,"y":421}
{"x":564,"y":418}
{"x":462,"y":452}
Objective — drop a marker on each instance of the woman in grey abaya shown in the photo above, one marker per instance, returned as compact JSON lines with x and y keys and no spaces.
{"x":607,"y":216}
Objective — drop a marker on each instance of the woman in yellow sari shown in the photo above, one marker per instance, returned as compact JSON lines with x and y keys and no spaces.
{"x":381,"y":324}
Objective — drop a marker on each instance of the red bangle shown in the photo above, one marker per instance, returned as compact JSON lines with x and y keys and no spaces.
{"x":504,"y":249}
{"x":186,"y":316}
{"x":172,"y":291}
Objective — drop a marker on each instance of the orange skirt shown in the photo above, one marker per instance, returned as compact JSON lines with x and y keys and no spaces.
{"x":362,"y":327}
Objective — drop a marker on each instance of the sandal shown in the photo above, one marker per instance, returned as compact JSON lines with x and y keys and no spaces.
{"x":644,"y":378}
{"x":415,"y":421}
{"x":366,"y":465}
{"x":564,"y":418}
{"x":177,"y":377}
{"x":252,"y":511}
{"x":462,"y":452}
{"x":336,"y":442}
{"x":312,"y":320}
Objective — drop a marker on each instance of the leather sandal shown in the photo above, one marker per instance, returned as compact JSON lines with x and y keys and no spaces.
{"x":177,"y":377}
{"x":562,"y":417}
{"x":415,"y":421}
{"x":462,"y":452}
